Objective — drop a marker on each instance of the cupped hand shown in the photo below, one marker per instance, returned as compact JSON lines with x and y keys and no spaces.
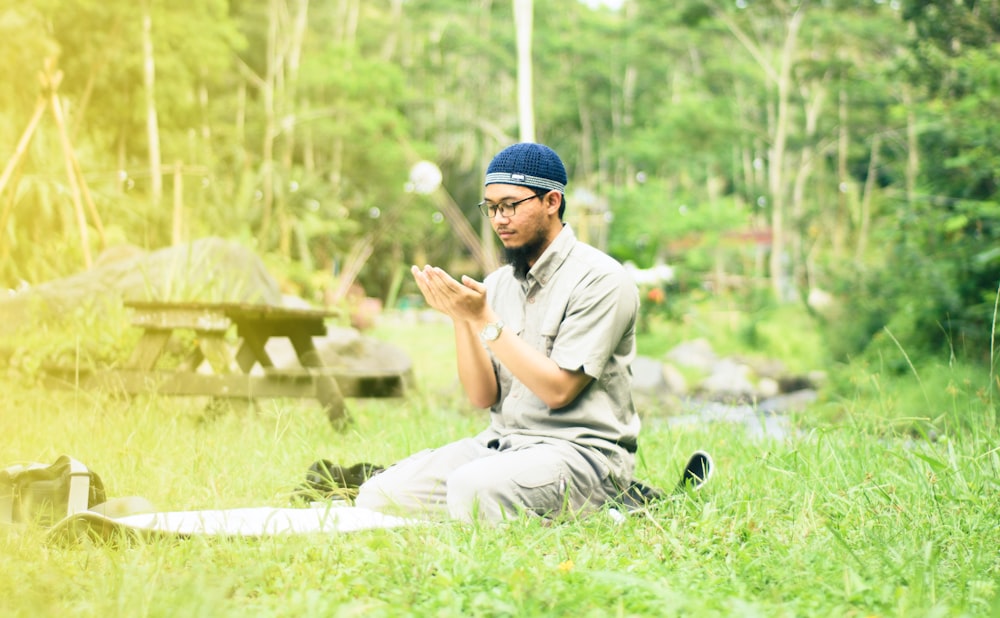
{"x":465,"y":300}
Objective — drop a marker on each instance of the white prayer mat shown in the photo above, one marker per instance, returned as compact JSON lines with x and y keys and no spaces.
{"x":245,"y":522}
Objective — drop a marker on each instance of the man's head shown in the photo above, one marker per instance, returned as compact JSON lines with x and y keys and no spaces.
{"x":524,"y":200}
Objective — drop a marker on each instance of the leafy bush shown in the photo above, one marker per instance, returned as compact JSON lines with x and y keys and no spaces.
{"x":90,"y":336}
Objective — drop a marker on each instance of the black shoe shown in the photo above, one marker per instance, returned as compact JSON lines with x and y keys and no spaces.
{"x":696,"y":473}
{"x":326,"y":480}
{"x":639,"y":495}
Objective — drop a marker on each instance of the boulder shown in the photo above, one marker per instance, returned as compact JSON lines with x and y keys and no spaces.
{"x":675,"y":381}
{"x":729,"y":380}
{"x":346,"y":348}
{"x":788,"y":402}
{"x":695,"y":354}
{"x":647,"y":376}
{"x":208,"y":270}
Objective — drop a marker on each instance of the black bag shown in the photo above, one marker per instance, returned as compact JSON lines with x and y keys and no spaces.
{"x":44,"y":494}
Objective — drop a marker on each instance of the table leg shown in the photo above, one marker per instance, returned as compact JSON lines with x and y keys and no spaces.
{"x":213,"y":346}
{"x":327,"y":390}
{"x":148,"y":349}
{"x":252,"y":351}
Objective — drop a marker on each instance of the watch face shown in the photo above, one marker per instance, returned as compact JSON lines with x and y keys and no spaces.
{"x":491,"y":332}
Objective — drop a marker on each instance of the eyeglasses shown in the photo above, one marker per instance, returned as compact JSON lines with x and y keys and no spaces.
{"x":507,"y":209}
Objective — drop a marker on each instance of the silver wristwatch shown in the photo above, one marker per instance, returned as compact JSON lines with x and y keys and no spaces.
{"x":491,"y":332}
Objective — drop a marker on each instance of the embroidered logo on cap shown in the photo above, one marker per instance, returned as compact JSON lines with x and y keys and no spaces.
{"x":517,"y":177}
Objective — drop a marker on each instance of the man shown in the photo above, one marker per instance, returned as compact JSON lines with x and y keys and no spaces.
{"x":545,"y":342}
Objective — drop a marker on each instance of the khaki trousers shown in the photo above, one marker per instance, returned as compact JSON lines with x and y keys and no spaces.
{"x":493,"y":478}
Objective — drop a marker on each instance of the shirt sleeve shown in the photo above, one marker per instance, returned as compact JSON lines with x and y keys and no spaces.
{"x":598,"y":323}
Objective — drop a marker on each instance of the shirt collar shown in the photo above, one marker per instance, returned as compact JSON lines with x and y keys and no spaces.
{"x":552,"y":258}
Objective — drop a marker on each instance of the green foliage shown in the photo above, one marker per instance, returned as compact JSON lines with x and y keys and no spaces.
{"x":769,"y":331}
{"x":89,"y":336}
{"x":937,"y":290}
{"x":652,"y":218}
{"x":291,"y":141}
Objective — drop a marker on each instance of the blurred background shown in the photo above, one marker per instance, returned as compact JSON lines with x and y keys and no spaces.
{"x":838,"y":157}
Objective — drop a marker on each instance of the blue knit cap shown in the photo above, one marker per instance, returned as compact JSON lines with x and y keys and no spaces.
{"x":528,"y":165}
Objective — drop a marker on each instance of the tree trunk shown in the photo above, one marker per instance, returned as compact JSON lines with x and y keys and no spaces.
{"x":842,"y":217}
{"x":345,"y":34}
{"x":586,"y":132}
{"x":776,"y":180}
{"x":288,"y":105}
{"x":814,"y":104}
{"x":14,"y":165}
{"x":776,"y":171}
{"x":270,"y":125}
{"x":152,"y":125}
{"x":241,"y":118}
{"x":523,"y":10}
{"x":392,"y":35}
{"x":206,"y":126}
{"x":912,"y":146}
{"x":864,"y":217}
{"x":22,"y":145}
{"x":177,"y":228}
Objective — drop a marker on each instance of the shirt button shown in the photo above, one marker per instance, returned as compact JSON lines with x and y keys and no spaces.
{"x":531,"y":299}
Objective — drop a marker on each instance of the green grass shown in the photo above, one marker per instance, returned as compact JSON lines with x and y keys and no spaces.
{"x":849,"y":518}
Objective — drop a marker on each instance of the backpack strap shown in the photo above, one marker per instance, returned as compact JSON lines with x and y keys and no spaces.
{"x":79,"y":484}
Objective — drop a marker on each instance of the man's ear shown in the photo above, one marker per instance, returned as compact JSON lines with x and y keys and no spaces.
{"x":552,"y":201}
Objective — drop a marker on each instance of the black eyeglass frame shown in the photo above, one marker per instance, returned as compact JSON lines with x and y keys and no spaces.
{"x":501,"y":208}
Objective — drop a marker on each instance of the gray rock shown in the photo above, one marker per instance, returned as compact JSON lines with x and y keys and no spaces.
{"x":789,"y":402}
{"x":764,"y":367}
{"x":728,"y":380}
{"x":345,"y":348}
{"x":647,"y":376}
{"x":675,"y":381}
{"x":767,"y":388}
{"x":695,"y":354}
{"x":728,"y":394}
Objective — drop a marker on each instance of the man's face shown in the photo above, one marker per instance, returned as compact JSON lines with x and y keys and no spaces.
{"x":527,"y":227}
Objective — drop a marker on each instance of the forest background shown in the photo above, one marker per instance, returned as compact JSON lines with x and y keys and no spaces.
{"x":821,"y":176}
{"x":770,"y":152}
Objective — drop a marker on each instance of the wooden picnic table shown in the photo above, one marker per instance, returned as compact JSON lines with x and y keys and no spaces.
{"x":245,"y":370}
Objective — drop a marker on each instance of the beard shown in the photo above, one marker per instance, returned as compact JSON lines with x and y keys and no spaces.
{"x":520,"y":258}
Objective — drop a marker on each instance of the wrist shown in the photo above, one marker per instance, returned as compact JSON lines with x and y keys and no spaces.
{"x":491,"y":331}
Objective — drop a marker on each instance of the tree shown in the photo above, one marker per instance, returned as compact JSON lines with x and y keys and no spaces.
{"x":523,"y":20}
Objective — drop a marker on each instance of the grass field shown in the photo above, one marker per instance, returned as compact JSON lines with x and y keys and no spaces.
{"x":849,"y":518}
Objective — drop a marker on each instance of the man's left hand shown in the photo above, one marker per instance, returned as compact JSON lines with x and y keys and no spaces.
{"x":465,"y":301}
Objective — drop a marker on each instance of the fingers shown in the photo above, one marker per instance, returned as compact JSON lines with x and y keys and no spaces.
{"x":463,"y":300}
{"x":436,"y":278}
{"x":427,"y":288}
{"x":473,"y":285}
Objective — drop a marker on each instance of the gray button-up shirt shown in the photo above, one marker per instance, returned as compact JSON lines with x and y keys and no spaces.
{"x":578,"y":306}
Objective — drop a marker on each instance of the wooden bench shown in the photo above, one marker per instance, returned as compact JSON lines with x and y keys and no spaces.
{"x":245,"y":370}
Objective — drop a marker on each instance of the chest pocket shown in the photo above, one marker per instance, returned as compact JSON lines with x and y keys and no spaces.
{"x":549,"y":321}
